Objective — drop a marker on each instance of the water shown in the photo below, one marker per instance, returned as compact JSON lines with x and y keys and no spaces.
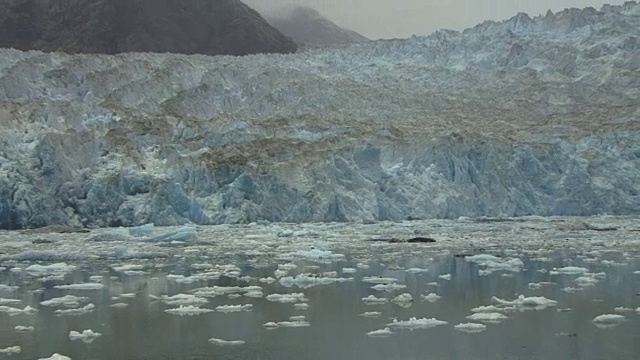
{"x":143,"y":330}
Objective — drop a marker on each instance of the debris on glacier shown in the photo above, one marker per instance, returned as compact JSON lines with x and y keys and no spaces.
{"x":471,"y":328}
{"x":221,"y":342}
{"x":87,"y":336}
{"x":415,"y":323}
{"x":608,"y":320}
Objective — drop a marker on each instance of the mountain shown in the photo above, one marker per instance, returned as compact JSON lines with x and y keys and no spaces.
{"x":308,"y":28}
{"x":211,"y":27}
{"x":531,"y":116}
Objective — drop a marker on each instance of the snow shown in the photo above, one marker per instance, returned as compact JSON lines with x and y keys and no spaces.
{"x":85,"y":286}
{"x":87,"y":336}
{"x":470,"y":327}
{"x":415,"y":323}
{"x":220,"y":342}
{"x":188,"y":310}
{"x":380,"y":333}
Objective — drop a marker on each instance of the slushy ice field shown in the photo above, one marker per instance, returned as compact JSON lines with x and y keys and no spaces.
{"x":489,"y":288}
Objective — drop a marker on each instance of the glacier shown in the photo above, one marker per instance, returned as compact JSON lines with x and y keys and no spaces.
{"x":530,"y":116}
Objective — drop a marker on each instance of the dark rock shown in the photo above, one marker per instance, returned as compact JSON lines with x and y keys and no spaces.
{"x":211,"y":27}
{"x":421,"y":239}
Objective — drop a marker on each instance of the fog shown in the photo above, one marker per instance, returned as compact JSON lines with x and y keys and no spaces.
{"x":403,"y":18}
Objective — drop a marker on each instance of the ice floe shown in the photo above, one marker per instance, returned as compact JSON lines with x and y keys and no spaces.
{"x":56,"y":356}
{"x":403,"y":300}
{"x":11,"y":350}
{"x":287,"y":298}
{"x":11,"y":311}
{"x":372,"y":300}
{"x":119,"y":305}
{"x":371,"y":314}
{"x":389,"y":287}
{"x":301,"y":306}
{"x":267,"y":280}
{"x":85,"y":286}
{"x":182,"y":299}
{"x":380,"y":333}
{"x":349,"y":270}
{"x":431,"y":297}
{"x":53,"y":269}
{"x":87,"y":336}
{"x":488,"y":317}
{"x":66,"y":301}
{"x":470,"y":327}
{"x":221,"y":342}
{"x":415,"y":270}
{"x":308,"y":280}
{"x":4,"y":301}
{"x":313,"y":254}
{"x":526,"y":303}
{"x":286,"y":324}
{"x":234,"y":308}
{"x":540,"y":285}
{"x":568,"y":270}
{"x":379,"y":280}
{"x":493,"y":263}
{"x":608,"y":320}
{"x":23,"y":329}
{"x":415,"y":323}
{"x":188,"y":310}
{"x":76,"y":312}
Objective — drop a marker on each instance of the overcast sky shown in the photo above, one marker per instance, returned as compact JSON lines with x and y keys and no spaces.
{"x":403,"y":18}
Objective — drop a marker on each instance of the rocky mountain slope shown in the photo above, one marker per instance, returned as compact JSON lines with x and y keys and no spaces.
{"x":211,"y":27}
{"x":525,"y":117}
{"x":308,"y":28}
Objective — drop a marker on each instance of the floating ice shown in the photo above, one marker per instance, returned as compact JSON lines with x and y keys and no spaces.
{"x":388,"y":287}
{"x":308,"y":280}
{"x":56,"y":356}
{"x":85,"y":286}
{"x":188,"y":310}
{"x":403,"y":300}
{"x":471,"y":328}
{"x":76,"y":312}
{"x":301,"y":306}
{"x":445,"y":277}
{"x":414,"y":323}
{"x":526,"y":303}
{"x":493,"y":263}
{"x":371,"y":314}
{"x":297,"y":318}
{"x":540,"y":285}
{"x":53,"y":269}
{"x":87,"y":336}
{"x":66,"y":301}
{"x":570,"y":289}
{"x":290,"y":324}
{"x":637,"y":272}
{"x":11,"y":311}
{"x":432,"y":297}
{"x":416,"y":270}
{"x":568,"y":270}
{"x":234,"y":308}
{"x":220,"y":342}
{"x":183,"y":234}
{"x":11,"y":350}
{"x":349,"y":270}
{"x":4,"y":301}
{"x":280,"y":273}
{"x":267,"y":280}
{"x":372,"y":300}
{"x":23,"y":329}
{"x":379,"y":280}
{"x":287,"y":267}
{"x":586,"y":281}
{"x":608,"y":320}
{"x":287,"y":298}
{"x":313,"y":254}
{"x":380,"y":333}
{"x":119,"y":305}
{"x":488,"y":317}
{"x":254,"y":294}
{"x":183,"y":299}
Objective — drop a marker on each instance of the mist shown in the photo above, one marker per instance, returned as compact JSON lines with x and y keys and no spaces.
{"x":403,"y":18}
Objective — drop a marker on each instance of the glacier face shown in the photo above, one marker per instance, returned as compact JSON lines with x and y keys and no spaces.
{"x":525,"y":117}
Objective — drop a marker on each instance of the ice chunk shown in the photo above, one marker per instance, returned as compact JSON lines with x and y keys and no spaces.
{"x":403,"y":300}
{"x":267,"y":280}
{"x":254,"y":294}
{"x":372,"y":300}
{"x":85,"y":286}
{"x":540,"y":285}
{"x":66,"y":301}
{"x":379,"y":280}
{"x":493,"y":263}
{"x":220,"y":342}
{"x":432,"y":297}
{"x":56,"y":356}
{"x":313,"y":254}
{"x":183,"y":234}
{"x":301,"y":306}
{"x":183,"y":299}
{"x":11,"y":350}
{"x":53,"y":269}
{"x":87,"y":336}
{"x":119,"y":305}
{"x":294,"y":324}
{"x":586,"y":281}
{"x":371,"y":314}
{"x":4,"y":301}
{"x":287,"y":267}
{"x":108,"y":236}
{"x":142,"y":231}
{"x":488,"y":317}
{"x":568,"y":270}
{"x":76,"y":312}
{"x":415,"y":323}
{"x":188,"y":310}
{"x":445,"y":277}
{"x":234,"y":308}
{"x":287,"y":298}
{"x":470,"y":327}
{"x":389,"y":287}
{"x":526,"y":303}
{"x":416,"y":270}
{"x":380,"y":333}
{"x":308,"y":280}
{"x":608,"y":320}
{"x":11,"y":311}
{"x":349,"y":270}
{"x":23,"y":329}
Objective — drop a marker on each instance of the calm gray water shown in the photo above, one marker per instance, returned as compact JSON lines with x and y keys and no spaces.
{"x":143,"y":330}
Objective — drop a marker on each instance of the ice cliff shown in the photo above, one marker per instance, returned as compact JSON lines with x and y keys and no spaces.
{"x":528,"y":116}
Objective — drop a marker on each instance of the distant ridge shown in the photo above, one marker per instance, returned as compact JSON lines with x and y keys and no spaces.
{"x":211,"y":27}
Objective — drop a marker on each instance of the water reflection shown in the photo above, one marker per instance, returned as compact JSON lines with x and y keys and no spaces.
{"x":143,"y":330}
